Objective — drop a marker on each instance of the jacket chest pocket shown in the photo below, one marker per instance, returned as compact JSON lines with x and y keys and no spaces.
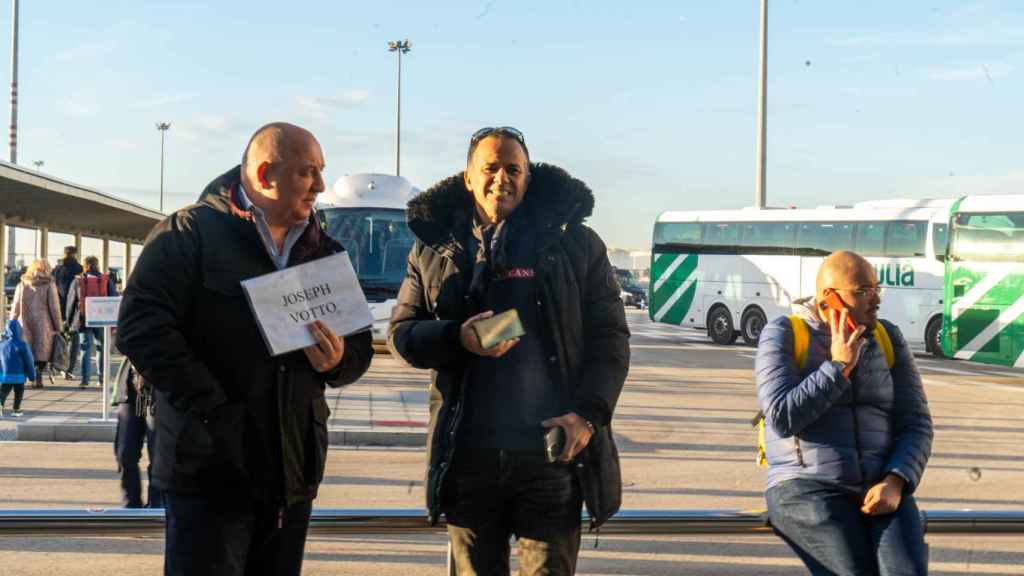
{"x":224,"y":309}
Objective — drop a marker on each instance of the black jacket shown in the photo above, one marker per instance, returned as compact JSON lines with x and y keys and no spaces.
{"x":231,"y":419}
{"x":585,"y":334}
{"x":64,"y":273}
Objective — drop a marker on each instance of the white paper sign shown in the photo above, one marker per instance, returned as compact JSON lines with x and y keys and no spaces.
{"x":101,"y":311}
{"x":286,"y":302}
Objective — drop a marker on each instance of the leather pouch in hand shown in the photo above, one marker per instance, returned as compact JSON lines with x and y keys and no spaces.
{"x":498,"y":328}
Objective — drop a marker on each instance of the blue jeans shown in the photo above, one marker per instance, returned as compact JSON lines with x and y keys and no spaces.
{"x":91,"y":337}
{"x":823,"y":524}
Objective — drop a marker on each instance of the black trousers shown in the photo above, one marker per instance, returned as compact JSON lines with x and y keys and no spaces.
{"x":19,"y":393}
{"x":132,"y":431}
{"x":208,"y":536}
{"x":492,"y":495}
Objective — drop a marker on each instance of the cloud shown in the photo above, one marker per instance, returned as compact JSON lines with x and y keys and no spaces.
{"x":320,"y":107}
{"x":82,"y":104}
{"x":87,"y":51}
{"x":958,"y":185}
{"x":164,"y":101}
{"x":201,"y":127}
{"x":970,"y":73}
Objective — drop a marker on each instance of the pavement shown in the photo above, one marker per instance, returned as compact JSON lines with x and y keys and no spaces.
{"x":682,"y":427}
{"x":388,"y":407}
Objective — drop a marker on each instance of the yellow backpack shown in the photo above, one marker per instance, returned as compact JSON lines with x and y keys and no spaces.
{"x":801,"y":344}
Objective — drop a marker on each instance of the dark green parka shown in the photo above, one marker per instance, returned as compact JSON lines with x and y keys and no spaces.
{"x":586,"y":340}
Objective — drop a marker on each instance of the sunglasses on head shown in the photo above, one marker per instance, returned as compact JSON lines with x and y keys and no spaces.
{"x":501,"y":131}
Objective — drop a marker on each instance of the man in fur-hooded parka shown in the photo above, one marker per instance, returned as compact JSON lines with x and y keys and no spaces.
{"x":508,"y":234}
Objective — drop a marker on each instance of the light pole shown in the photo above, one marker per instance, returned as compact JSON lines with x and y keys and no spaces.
{"x":761,"y":193}
{"x":14,"y":84}
{"x":39,"y":164}
{"x":401,"y":47}
{"x":162,"y":127}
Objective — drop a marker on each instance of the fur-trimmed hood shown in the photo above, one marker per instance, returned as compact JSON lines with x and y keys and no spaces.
{"x":553,"y":198}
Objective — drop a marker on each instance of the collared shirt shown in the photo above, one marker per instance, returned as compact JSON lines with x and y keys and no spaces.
{"x":280,"y":259}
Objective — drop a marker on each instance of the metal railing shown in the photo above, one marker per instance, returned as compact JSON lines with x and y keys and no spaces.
{"x":343,"y":521}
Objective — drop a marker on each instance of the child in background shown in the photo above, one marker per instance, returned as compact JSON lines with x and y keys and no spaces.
{"x":16,"y":366}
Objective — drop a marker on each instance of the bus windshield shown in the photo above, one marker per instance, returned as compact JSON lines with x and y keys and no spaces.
{"x":989,"y":236}
{"x":378,"y":242}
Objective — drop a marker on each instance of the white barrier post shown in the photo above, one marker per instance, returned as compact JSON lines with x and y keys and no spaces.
{"x":101,"y":312}
{"x":105,"y":359}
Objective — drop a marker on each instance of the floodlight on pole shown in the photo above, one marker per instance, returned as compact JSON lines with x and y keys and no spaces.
{"x":162,"y":127}
{"x":400,"y":47}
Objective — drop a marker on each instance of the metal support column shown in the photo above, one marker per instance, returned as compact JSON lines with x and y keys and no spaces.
{"x":44,"y":243}
{"x":105,"y":259}
{"x":127,"y":260}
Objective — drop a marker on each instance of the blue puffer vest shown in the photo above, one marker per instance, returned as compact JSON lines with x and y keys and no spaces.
{"x":852,"y":432}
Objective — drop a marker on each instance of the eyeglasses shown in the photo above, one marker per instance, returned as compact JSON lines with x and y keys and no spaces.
{"x":500,"y":130}
{"x":863,"y":291}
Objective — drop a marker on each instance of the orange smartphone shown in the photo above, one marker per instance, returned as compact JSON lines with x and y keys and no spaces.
{"x":836,"y":303}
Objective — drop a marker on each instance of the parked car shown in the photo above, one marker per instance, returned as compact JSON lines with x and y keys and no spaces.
{"x":11,"y":279}
{"x":632,"y":293}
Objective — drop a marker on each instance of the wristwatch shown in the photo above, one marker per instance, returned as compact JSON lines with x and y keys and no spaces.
{"x":590,"y":426}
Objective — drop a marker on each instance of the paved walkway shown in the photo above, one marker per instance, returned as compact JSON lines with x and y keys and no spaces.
{"x":388,"y":406}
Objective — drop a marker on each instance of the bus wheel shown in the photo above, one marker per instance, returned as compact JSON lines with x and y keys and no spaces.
{"x":720,"y":328}
{"x":932,"y":337}
{"x":751,"y":325}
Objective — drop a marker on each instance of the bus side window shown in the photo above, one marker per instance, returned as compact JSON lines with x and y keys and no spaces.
{"x":724,"y":237}
{"x":768,"y":237}
{"x":905,"y":239}
{"x":820,"y":238}
{"x":870,"y":238}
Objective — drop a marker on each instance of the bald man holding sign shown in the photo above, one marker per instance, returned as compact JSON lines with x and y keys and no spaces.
{"x":241,"y":434}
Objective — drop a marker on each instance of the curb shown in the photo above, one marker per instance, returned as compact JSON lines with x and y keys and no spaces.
{"x":58,"y":429}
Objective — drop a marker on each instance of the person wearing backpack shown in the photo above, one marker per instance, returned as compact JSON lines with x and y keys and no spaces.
{"x":847,"y":429}
{"x":65,"y":272}
{"x":16,"y":366}
{"x":89,"y":284}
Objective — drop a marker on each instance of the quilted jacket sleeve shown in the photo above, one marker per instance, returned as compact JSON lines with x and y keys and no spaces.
{"x":911,"y":416}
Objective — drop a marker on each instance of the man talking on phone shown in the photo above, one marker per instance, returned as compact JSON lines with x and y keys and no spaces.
{"x":506,"y":236}
{"x":847,"y":428}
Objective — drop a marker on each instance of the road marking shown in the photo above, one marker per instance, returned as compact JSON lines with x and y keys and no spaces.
{"x":988,"y":385}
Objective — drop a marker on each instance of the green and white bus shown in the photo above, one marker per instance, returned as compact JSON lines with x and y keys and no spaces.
{"x":984,"y":315}
{"x":729,"y":271}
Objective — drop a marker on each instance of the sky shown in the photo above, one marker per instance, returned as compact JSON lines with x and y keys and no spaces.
{"x":652,"y":104}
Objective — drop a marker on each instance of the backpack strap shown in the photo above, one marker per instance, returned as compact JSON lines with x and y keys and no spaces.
{"x":801,"y":345}
{"x":882,"y":337}
{"x":801,"y":340}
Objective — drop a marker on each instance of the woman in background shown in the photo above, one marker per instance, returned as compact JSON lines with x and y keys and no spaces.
{"x":37,"y":307}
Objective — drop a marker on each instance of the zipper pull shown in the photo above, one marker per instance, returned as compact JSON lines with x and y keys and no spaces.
{"x":280,"y":518}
